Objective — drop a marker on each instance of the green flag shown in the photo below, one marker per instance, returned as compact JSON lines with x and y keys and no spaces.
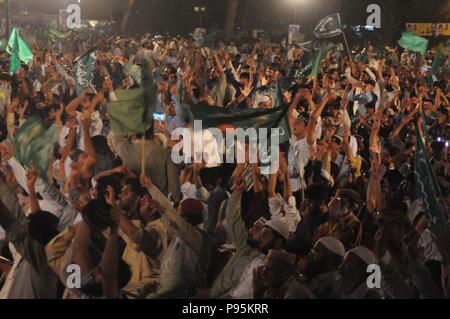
{"x":427,"y":187}
{"x":315,"y":65}
{"x":19,"y":51}
{"x":132,"y":113}
{"x":438,"y":59}
{"x":83,"y":69}
{"x":135,"y":72}
{"x":34,"y":143}
{"x":223,"y":118}
{"x":414,"y":43}
{"x":50,"y":33}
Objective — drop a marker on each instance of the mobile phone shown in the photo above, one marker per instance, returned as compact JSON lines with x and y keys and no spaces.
{"x":159,"y":117}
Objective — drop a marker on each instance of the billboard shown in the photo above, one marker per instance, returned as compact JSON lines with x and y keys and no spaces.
{"x":429,"y":29}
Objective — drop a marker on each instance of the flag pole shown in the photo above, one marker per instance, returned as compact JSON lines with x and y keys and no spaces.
{"x":314,"y":87}
{"x":143,"y":154}
{"x":346,"y":45}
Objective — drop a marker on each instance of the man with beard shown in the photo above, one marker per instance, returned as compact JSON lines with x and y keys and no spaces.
{"x":277,"y":278}
{"x":130,"y":196}
{"x":352,"y":282}
{"x":235,"y":280}
{"x":266,"y":94}
{"x":264,"y":237}
{"x":146,"y":241}
{"x":314,"y":213}
{"x":322,"y":266}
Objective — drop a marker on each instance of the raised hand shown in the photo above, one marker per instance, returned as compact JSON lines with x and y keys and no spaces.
{"x":31,"y":177}
{"x":146,"y":181}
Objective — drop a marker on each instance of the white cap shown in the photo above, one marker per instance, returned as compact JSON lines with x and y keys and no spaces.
{"x":280,"y":226}
{"x":364,"y":253}
{"x":332,"y":244}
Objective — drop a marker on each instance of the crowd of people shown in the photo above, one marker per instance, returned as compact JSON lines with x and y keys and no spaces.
{"x":344,"y":196}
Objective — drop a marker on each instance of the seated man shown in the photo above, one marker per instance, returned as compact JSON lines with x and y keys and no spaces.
{"x":277,"y":279}
{"x":352,"y":282}
{"x":146,"y":238}
{"x":184,"y":266}
{"x":321,"y":266}
{"x":31,"y":278}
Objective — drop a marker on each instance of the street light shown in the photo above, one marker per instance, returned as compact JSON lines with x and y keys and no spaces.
{"x":200,"y":9}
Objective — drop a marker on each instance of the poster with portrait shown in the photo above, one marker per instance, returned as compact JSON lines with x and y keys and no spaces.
{"x":294,"y":33}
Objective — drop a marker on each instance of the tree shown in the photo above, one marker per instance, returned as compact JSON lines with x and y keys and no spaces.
{"x":230,"y":18}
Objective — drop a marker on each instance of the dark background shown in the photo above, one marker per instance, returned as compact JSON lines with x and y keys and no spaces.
{"x":178,"y":16}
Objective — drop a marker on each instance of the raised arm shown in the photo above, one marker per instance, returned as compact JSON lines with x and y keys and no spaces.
{"x":292,"y":108}
{"x":218,"y":63}
{"x":31,"y":180}
{"x":71,"y":108}
{"x":400,"y":126}
{"x":257,"y":184}
{"x":374,"y":145}
{"x":86,"y":127}
{"x":183,"y":229}
{"x":110,"y":265}
{"x":312,"y":122}
{"x":80,"y":252}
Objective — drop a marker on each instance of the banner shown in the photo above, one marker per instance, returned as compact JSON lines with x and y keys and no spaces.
{"x":223,"y":118}
{"x":429,"y":29}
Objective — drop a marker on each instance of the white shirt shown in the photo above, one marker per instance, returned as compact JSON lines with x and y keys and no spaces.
{"x":426,"y":241}
{"x":17,"y":258}
{"x":298,"y":157}
{"x":244,"y":289}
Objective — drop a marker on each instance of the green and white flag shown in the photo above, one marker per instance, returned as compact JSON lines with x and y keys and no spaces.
{"x":132,"y":113}
{"x":427,"y":187}
{"x":83,"y":70}
{"x":318,"y":57}
{"x":18,"y":50}
{"x":329,"y":27}
{"x":440,"y":57}
{"x":414,"y":43}
{"x":34,"y":143}
{"x":50,"y":33}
